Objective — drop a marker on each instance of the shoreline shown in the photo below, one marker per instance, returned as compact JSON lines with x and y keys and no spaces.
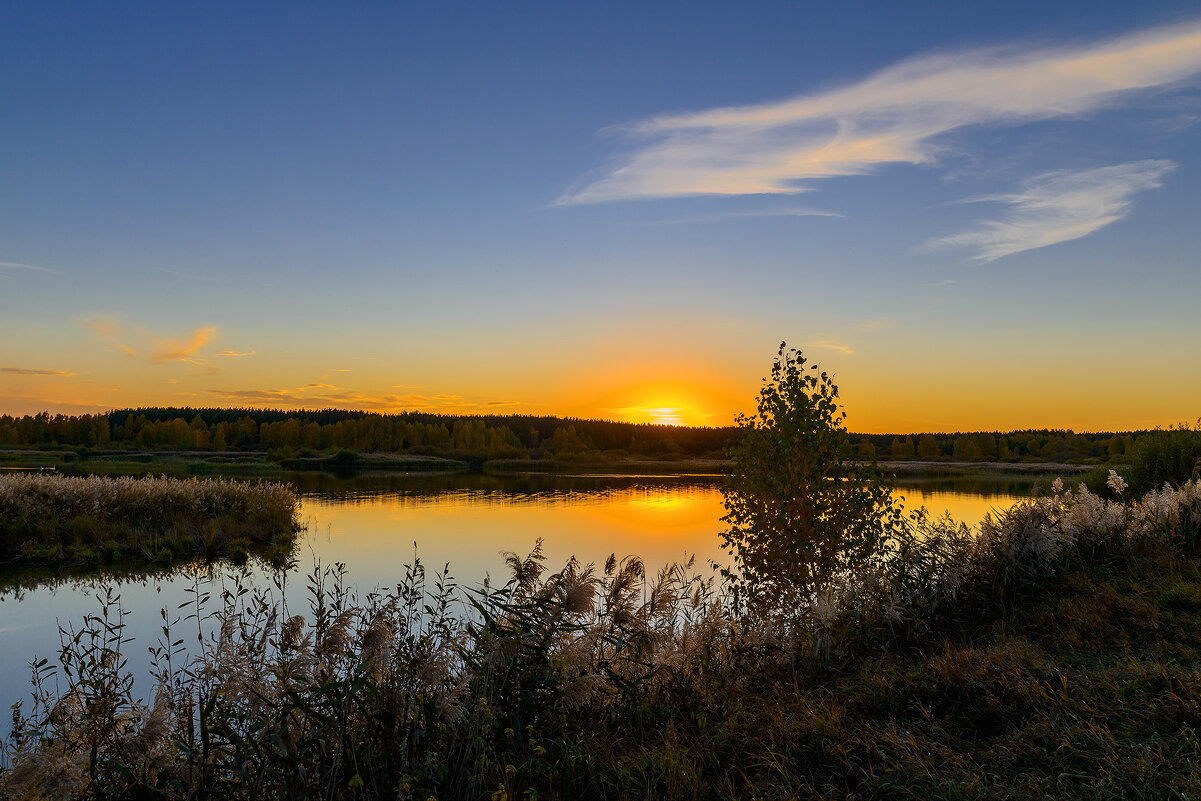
{"x":914,"y":468}
{"x":355,"y":462}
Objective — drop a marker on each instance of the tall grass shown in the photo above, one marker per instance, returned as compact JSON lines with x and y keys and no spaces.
{"x":52,"y":519}
{"x":398,"y":690}
{"x":603,"y":682}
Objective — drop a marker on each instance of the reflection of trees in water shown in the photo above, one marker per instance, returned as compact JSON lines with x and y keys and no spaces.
{"x":17,"y":580}
{"x":982,"y":485}
{"x":503,"y":490}
{"x":555,"y":488}
{"x":558,"y":487}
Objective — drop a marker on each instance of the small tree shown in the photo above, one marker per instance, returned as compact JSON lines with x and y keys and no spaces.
{"x":802,"y":510}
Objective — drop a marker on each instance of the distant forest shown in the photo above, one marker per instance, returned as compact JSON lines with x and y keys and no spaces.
{"x":284,"y":434}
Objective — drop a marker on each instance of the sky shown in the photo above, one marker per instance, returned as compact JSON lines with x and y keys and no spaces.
{"x":977,"y":216}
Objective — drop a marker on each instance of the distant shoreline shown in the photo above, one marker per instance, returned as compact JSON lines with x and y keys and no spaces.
{"x":351,"y":462}
{"x":934,"y":468}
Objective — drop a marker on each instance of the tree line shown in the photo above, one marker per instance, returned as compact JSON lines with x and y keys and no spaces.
{"x":290,"y":432}
{"x":503,"y":436}
{"x":1044,"y":445}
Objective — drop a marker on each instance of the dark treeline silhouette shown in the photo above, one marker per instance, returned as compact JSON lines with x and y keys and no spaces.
{"x":517,"y":436}
{"x":1044,"y":445}
{"x":274,"y":430}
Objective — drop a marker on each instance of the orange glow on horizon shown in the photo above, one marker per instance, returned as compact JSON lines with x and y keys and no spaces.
{"x":881,"y":392}
{"x":672,"y":403}
{"x":666,"y":415}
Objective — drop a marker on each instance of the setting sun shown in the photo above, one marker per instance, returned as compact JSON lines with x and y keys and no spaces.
{"x":696,"y":401}
{"x":666,"y":415}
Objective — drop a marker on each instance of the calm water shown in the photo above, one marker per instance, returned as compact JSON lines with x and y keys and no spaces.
{"x":375,"y":524}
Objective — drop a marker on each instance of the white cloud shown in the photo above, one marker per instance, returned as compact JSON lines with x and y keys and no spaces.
{"x":1059,"y":207}
{"x":828,"y":345}
{"x":18,"y":266}
{"x":893,"y":116}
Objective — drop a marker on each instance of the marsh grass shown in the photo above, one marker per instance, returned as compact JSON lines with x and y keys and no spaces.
{"x":52,"y":519}
{"x":1050,"y":653}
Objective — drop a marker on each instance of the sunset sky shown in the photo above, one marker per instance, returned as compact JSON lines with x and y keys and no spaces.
{"x":977,"y":215}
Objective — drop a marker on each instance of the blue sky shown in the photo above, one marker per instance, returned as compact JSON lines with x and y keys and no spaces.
{"x":978,"y":215}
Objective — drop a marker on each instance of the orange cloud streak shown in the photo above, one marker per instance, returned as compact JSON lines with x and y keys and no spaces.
{"x":170,"y":350}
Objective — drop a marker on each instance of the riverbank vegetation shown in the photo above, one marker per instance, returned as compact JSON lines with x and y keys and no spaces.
{"x":49,"y":519}
{"x":1050,"y":653}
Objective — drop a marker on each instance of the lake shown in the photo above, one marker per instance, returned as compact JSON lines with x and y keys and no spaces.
{"x":375,"y":524}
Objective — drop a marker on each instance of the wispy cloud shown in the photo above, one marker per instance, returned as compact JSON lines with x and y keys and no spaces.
{"x":170,"y":350}
{"x":234,"y":354}
{"x":102,"y":325}
{"x":658,"y":415}
{"x":746,"y":214}
{"x":666,"y":415}
{"x":283,"y":396}
{"x":347,"y":399}
{"x":828,"y":345}
{"x":893,"y":116}
{"x":67,"y":405}
{"x":1059,"y":207}
{"x":109,"y":329}
{"x":162,"y":349}
{"x":24,"y":371}
{"x":622,"y":411}
{"x":18,"y":266}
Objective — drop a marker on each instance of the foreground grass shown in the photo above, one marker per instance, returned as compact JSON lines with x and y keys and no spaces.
{"x":50,"y":519}
{"x":1053,"y":653}
{"x":1089,"y":692}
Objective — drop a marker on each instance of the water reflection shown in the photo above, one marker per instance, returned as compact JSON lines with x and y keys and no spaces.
{"x":537,"y":487}
{"x":377,"y":524}
{"x":979,"y":485}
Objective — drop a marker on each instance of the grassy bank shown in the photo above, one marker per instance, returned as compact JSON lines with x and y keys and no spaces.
{"x":904,"y":468}
{"x":346,"y":461}
{"x":663,"y":466}
{"x":52,"y":519}
{"x":1050,"y":653}
{"x":349,"y":461}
